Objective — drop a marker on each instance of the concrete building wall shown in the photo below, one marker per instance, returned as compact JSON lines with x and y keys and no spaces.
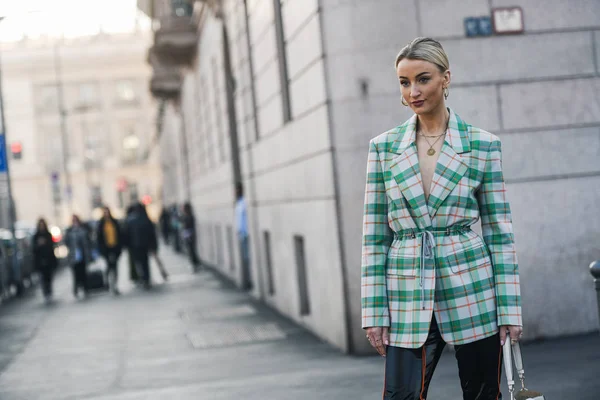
{"x":292,"y":170}
{"x":304,"y":177}
{"x":536,"y":91}
{"x":96,"y":67}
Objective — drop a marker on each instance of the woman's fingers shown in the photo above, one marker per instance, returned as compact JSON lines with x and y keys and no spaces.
{"x":386,"y":336}
{"x":380,"y":347}
{"x":374,"y":336}
{"x":515,"y":333}
{"x":379,"y":338}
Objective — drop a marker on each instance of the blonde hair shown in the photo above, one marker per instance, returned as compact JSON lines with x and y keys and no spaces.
{"x":426,"y":49}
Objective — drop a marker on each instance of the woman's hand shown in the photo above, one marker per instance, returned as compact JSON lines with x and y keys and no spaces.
{"x":379,"y":337}
{"x":515,"y":333}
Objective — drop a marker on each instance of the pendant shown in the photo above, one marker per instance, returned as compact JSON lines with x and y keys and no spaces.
{"x":430,"y":152}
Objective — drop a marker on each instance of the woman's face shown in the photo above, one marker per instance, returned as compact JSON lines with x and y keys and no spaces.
{"x":422,"y":85}
{"x":42,"y":226}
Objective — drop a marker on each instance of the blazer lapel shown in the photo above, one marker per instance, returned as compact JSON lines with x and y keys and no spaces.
{"x":450,"y":166}
{"x":407,"y":174}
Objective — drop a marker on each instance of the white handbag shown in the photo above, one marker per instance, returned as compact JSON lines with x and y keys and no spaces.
{"x":524,"y":393}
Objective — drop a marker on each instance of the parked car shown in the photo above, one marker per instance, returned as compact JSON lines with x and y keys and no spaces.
{"x":16,"y":261}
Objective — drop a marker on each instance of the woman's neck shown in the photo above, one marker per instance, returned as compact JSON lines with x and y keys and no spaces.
{"x":434,"y":123}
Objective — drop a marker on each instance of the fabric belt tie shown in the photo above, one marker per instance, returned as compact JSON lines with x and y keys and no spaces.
{"x":428,"y":247}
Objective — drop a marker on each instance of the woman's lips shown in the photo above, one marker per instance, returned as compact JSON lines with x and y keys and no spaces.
{"x":418,"y":103}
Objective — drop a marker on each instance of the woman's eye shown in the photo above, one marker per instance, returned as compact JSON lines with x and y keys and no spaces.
{"x":424,"y":80}
{"x":404,"y":83}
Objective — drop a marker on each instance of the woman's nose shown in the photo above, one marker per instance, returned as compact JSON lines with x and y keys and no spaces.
{"x":414,"y":92}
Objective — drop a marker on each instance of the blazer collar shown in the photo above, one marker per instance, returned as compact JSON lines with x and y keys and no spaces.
{"x":457,"y":137}
{"x":449,"y":170}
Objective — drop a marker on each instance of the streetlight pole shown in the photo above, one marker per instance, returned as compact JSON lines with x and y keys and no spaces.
{"x":63,"y":129}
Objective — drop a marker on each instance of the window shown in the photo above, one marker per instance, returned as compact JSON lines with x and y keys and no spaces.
{"x":230,"y":241}
{"x":125,"y":92}
{"x":218,"y":113}
{"x":267,"y":244}
{"x":87,"y":96}
{"x":181,"y":8}
{"x":302,"y":278}
{"x":50,"y":146}
{"x":47,"y":98}
{"x":130,"y":144}
{"x":219,"y":245}
{"x":281,"y":56}
{"x":133,"y":193}
{"x":93,"y":143}
{"x":96,"y":196}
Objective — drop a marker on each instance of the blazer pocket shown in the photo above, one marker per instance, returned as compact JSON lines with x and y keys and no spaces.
{"x":402,"y":266}
{"x":469,"y":255}
{"x":403,"y":259}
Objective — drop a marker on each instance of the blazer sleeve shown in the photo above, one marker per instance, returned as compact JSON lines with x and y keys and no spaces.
{"x":376,"y":241}
{"x":497,"y":229}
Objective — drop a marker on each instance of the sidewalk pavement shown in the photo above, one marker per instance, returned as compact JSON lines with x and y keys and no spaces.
{"x":197,"y":337}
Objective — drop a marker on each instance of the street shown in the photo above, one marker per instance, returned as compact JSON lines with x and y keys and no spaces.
{"x":197,"y":337}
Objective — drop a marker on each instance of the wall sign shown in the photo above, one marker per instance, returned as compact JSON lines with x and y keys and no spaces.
{"x":478,"y":26}
{"x":507,"y":20}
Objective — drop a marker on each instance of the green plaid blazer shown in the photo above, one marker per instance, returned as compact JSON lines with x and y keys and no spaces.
{"x":420,"y":256}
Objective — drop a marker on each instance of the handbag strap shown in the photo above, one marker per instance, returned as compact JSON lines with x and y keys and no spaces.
{"x":508,"y":368}
{"x":511,"y":350}
{"x":516,"y":349}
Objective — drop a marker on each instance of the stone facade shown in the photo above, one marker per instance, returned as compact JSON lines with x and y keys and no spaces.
{"x":109,"y":120}
{"x":302,"y":148}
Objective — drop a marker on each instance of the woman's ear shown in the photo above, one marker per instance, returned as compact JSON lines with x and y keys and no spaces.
{"x":447,"y":78}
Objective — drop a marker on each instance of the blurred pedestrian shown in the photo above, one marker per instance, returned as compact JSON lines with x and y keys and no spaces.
{"x":78,"y":241}
{"x":176,"y":228}
{"x":427,"y":278}
{"x":110,"y":245}
{"x":165,"y":224}
{"x":44,"y":259}
{"x":142,"y":241}
{"x":189,"y":235}
{"x":241,"y":218}
{"x":133,"y":275}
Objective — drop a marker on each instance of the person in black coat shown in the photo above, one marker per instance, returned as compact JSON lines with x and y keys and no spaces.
{"x":189,"y":235}
{"x":110,"y":245}
{"x":165,"y":224}
{"x":141,"y":240}
{"x":44,"y":259}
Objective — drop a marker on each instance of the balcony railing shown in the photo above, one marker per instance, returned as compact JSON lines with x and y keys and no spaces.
{"x":175,"y":40}
{"x":165,"y":83}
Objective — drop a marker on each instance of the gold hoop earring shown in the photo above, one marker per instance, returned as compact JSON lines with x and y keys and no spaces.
{"x":446,"y":93}
{"x":404,"y":103}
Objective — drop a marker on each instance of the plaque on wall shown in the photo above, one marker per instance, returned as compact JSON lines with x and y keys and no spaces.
{"x":507,"y":20}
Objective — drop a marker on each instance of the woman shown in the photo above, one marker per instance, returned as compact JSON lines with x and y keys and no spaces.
{"x":110,"y":245}
{"x":189,"y":235}
{"x":78,"y":242}
{"x":427,"y":278}
{"x":43,"y":257}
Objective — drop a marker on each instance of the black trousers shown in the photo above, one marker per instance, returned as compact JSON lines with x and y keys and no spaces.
{"x":112,"y":273}
{"x":141,"y":264}
{"x":408,"y":372}
{"x":193,"y":252}
{"x":46,"y":274}
{"x":79,"y":277}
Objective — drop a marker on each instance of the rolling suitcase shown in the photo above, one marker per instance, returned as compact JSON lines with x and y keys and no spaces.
{"x":96,"y":278}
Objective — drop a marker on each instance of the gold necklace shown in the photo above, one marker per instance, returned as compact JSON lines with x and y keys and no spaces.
{"x":431,"y":150}
{"x":432,"y":136}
